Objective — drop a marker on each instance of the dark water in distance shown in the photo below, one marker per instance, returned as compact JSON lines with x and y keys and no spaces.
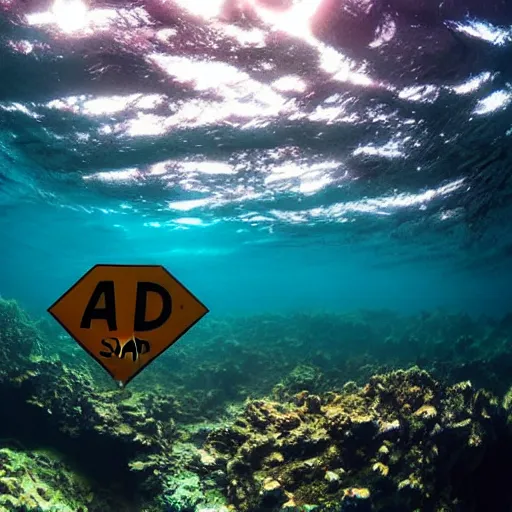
{"x":272,"y":154}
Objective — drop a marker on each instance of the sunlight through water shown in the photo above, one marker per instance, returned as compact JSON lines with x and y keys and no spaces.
{"x":261,"y":114}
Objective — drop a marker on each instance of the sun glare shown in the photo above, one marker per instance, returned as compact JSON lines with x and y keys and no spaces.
{"x":70,"y":15}
{"x":204,"y":8}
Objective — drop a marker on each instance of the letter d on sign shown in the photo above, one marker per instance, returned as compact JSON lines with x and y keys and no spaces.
{"x":140,"y":323}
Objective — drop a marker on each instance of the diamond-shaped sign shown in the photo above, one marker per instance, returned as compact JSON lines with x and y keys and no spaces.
{"x":127,"y":315}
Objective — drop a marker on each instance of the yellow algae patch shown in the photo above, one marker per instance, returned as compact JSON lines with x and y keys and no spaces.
{"x":125,"y":429}
{"x":381,"y":468}
{"x":426,"y":411}
{"x":357,"y":492}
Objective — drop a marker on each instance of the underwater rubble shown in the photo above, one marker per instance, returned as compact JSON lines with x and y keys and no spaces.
{"x":307,"y":438}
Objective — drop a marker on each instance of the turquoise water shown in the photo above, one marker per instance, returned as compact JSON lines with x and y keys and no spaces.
{"x":322,"y":157}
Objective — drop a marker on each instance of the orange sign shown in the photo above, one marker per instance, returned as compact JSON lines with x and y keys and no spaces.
{"x":127,"y":315}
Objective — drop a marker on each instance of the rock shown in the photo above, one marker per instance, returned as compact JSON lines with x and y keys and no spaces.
{"x":313,"y":404}
{"x":272,"y":493}
{"x":274,"y":459}
{"x":332,"y":477}
{"x":426,"y":411}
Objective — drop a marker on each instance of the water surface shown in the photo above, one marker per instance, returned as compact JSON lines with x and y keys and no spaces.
{"x":273,"y":155}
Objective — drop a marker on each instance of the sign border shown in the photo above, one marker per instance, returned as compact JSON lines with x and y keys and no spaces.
{"x":125,"y":383}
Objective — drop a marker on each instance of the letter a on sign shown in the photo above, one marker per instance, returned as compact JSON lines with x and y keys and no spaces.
{"x":127,"y":315}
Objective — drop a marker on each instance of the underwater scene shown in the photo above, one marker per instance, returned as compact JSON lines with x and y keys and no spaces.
{"x":255,"y":255}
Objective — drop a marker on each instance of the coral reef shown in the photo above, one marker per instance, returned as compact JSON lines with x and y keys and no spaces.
{"x":110,"y":434}
{"x":226,"y":360}
{"x":19,"y":337}
{"x":222,"y":361}
{"x":42,"y":481}
{"x":263,"y":414}
{"x":403,"y":442}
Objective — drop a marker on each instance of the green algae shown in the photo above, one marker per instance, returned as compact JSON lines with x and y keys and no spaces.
{"x":40,"y":481}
